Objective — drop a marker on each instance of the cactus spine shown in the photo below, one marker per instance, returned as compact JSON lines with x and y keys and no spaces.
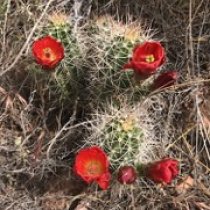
{"x":66,"y":79}
{"x":125,"y":134}
{"x":113,"y":43}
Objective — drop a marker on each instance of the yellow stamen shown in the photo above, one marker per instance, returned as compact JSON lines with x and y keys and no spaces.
{"x":94,"y":167}
{"x":48,"y":53}
{"x":150,"y":58}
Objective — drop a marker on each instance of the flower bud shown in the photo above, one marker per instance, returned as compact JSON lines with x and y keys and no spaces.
{"x":163,"y":171}
{"x":166,"y":79}
{"x":127,"y":175}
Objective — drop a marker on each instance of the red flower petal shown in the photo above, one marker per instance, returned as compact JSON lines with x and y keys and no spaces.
{"x":128,"y":66}
{"x":147,"y":58}
{"x":48,"y":52}
{"x":163,"y":171}
{"x":165,"y":79}
{"x":92,"y":164}
{"x":104,"y":181}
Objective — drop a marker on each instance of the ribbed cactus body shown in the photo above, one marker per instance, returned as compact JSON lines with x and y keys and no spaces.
{"x":125,"y":133}
{"x":116,"y":55}
{"x":122,"y":141}
{"x":113,"y":43}
{"x":67,"y":76}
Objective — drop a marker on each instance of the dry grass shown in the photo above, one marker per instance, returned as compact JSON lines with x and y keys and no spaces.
{"x":39,"y":134}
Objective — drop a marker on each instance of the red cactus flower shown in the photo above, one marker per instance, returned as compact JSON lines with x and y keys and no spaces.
{"x":48,"y":52}
{"x":163,"y":171}
{"x":166,"y":79}
{"x":146,"y":59}
{"x":92,"y":164}
{"x":127,"y":175}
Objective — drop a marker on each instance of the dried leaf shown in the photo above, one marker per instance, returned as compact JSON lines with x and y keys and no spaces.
{"x":18,"y":141}
{"x":8,"y":103}
{"x":186,"y":184}
{"x":204,"y":188}
{"x":204,"y":109}
{"x":202,"y":206}
{"x":81,"y":207}
{"x":201,"y":39}
{"x":38,"y":146}
{"x":55,"y":202}
{"x":3,"y":91}
{"x":22,"y":100}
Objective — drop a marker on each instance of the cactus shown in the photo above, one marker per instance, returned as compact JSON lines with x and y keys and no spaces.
{"x":122,"y":140}
{"x":66,"y":79}
{"x":126,"y":134}
{"x":113,"y":43}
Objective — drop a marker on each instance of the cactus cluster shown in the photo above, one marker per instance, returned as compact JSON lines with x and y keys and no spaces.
{"x":125,"y":132}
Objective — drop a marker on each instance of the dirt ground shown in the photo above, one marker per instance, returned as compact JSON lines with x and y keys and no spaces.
{"x":39,"y":135}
